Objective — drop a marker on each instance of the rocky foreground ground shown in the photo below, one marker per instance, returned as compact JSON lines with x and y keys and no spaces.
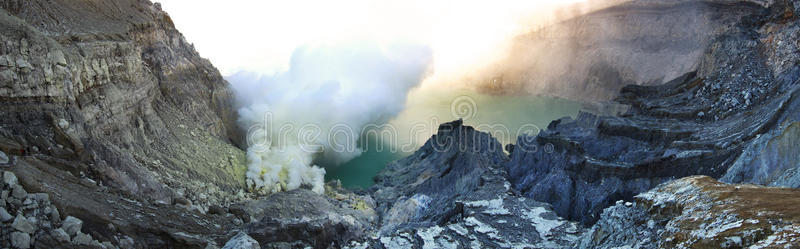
{"x":115,"y":133}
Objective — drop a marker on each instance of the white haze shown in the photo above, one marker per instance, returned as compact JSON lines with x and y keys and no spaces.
{"x":350,"y":62}
{"x":332,"y":92}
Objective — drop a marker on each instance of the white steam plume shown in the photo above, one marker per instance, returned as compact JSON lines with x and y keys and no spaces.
{"x":352,"y":85}
{"x":317,"y":109}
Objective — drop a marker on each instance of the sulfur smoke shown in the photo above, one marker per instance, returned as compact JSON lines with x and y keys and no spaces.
{"x":312,"y":109}
{"x":317,"y":109}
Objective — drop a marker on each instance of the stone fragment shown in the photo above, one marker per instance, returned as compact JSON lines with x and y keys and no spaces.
{"x":82,"y":239}
{"x":54,"y":215}
{"x":3,"y":158}
{"x":22,"y":63}
{"x":4,"y":215}
{"x":241,"y":241}
{"x":60,"y":235}
{"x":22,"y":224}
{"x":63,"y":124}
{"x":20,"y":240}
{"x":107,"y":245}
{"x":17,"y":191}
{"x":126,"y":243}
{"x":182,"y":201}
{"x":72,"y":225}
{"x":9,"y":178}
{"x":216,"y":209}
{"x":4,"y":61}
{"x":57,"y":57}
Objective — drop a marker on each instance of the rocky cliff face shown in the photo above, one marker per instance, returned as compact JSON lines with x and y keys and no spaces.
{"x":592,"y":56}
{"x":115,"y":92}
{"x":743,"y":97}
{"x":110,"y":94}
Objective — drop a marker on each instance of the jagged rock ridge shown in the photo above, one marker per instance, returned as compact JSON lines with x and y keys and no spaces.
{"x":453,"y":193}
{"x":699,"y":123}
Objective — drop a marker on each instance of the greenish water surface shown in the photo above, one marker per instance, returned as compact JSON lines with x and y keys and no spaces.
{"x":515,"y":114}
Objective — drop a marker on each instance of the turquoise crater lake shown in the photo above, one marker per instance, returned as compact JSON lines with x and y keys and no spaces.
{"x":516,"y":114}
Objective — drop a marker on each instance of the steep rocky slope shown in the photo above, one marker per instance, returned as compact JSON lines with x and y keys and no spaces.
{"x":592,"y":56}
{"x":453,"y":193}
{"x":109,"y":110}
{"x":114,"y":85}
{"x":744,"y":97}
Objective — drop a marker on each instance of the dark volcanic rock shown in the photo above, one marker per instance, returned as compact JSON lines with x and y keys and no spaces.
{"x":146,"y":224}
{"x":302,"y":218}
{"x":453,"y":193}
{"x":414,"y":190}
{"x":698,"y":123}
{"x":770,"y":159}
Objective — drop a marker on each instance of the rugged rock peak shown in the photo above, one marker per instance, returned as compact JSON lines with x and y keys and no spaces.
{"x":456,"y":137}
{"x":453,"y":193}
{"x":700,"y":212}
{"x":415,"y":189}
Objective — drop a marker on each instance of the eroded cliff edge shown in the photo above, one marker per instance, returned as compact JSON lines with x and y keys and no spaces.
{"x":106,"y":107}
{"x":743,"y":95}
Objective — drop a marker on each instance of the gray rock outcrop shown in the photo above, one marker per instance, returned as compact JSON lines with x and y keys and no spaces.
{"x":748,"y":97}
{"x":700,"y":212}
{"x":241,"y":241}
{"x":37,"y":222}
{"x":100,"y":100}
{"x":454,"y":193}
{"x":302,"y":218}
{"x":20,"y":240}
{"x":71,"y":225}
{"x":112,"y":91}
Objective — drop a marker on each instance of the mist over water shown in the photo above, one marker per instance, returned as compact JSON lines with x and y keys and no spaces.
{"x":311,"y":82}
{"x":316,"y":110}
{"x":505,"y":117}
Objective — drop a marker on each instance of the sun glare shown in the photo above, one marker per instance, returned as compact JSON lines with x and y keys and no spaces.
{"x":259,"y":36}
